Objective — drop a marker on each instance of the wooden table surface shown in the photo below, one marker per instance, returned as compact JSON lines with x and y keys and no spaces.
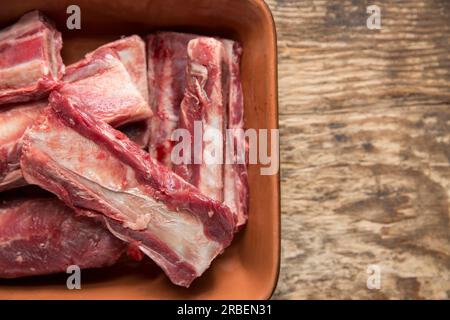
{"x":365,"y":148}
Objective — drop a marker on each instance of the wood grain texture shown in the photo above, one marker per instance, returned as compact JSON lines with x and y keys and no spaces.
{"x":365,"y":148}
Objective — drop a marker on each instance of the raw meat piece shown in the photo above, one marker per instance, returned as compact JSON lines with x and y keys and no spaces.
{"x":30,"y":60}
{"x":204,"y":102}
{"x":100,"y":84}
{"x":14,"y":120}
{"x":167,"y":60}
{"x":235,"y":174}
{"x":42,"y":236}
{"x":99,"y":172}
{"x":131,"y":51}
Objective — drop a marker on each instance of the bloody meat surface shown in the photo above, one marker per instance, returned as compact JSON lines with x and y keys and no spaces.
{"x":131,"y":52}
{"x":30,"y":60}
{"x":40,"y":235}
{"x":167,"y":61}
{"x":14,"y":120}
{"x":101,"y":85}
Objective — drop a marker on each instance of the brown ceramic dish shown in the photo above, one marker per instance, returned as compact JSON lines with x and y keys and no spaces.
{"x":249,"y":268}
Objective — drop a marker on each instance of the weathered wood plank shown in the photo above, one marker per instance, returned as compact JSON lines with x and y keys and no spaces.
{"x":328,"y":57}
{"x":365,"y":140}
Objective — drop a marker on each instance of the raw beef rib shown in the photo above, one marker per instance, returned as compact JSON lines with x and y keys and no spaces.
{"x":42,"y":236}
{"x":167,"y":60}
{"x":178,"y":75}
{"x":99,"y":172}
{"x":30,"y":61}
{"x":131,"y":51}
{"x":101,"y":85}
{"x":235,"y":172}
{"x":204,"y":102}
{"x":14,"y":120}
